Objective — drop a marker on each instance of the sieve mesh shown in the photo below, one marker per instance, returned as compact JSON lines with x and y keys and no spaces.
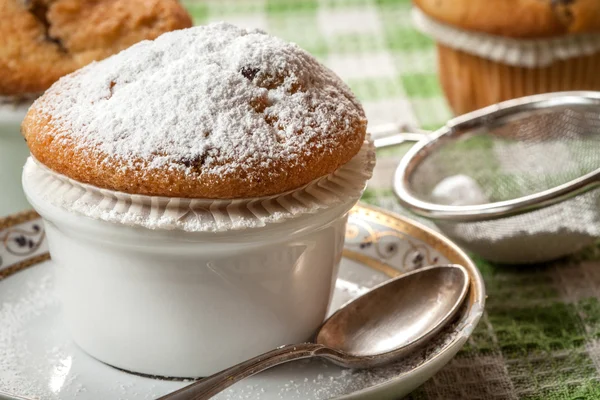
{"x":512,"y":157}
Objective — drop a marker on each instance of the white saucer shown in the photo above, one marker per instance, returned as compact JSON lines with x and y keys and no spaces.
{"x":38,"y":360}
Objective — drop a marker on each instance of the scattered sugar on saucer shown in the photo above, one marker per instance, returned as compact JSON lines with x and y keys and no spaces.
{"x":311,"y":379}
{"x":320,"y":380}
{"x":14,"y":319}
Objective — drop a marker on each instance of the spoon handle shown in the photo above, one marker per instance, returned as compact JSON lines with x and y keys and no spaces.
{"x":210,"y":386}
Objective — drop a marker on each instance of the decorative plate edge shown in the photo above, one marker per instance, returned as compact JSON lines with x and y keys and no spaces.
{"x":18,"y":218}
{"x":28,"y":259}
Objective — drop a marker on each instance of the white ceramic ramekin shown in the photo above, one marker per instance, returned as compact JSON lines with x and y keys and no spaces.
{"x":187,"y":304}
{"x":13,"y":153}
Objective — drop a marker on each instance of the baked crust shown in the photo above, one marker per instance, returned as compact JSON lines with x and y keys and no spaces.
{"x":46,"y":39}
{"x":90,"y":167}
{"x":517,"y":18}
{"x":315,"y":125}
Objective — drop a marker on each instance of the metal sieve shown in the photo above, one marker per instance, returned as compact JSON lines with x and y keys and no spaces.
{"x":534,"y":166}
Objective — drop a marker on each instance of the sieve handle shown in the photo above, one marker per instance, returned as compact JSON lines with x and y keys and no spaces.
{"x":388,"y":135}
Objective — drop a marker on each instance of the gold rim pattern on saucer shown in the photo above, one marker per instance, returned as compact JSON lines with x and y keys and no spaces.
{"x":10,"y":226}
{"x":19,"y":218}
{"x":405,"y":229}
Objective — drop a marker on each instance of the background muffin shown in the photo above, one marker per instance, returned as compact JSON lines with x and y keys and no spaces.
{"x":43,"y":40}
{"x":495,"y":50}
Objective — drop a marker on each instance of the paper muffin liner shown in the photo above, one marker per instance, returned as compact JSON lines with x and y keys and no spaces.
{"x":345,"y":185}
{"x":471,"y":82}
{"x":517,"y":52}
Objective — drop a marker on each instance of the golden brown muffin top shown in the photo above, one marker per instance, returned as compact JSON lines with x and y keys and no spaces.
{"x":517,"y":18}
{"x":43,"y":40}
{"x":205,"y":112}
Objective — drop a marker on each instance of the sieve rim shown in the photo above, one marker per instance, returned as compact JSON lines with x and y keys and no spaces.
{"x":479,"y":118}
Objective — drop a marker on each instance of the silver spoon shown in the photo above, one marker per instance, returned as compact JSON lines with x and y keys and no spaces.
{"x":376,"y":328}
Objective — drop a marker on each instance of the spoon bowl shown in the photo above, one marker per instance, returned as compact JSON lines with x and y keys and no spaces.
{"x":384,"y":324}
{"x":393,"y":318}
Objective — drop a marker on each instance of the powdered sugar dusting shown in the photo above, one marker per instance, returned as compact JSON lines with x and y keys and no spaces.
{"x":211,"y":100}
{"x":14,"y":319}
{"x":318,"y":379}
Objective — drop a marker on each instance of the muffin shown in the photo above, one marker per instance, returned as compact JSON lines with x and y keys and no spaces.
{"x":491,"y":51}
{"x":205,"y":178}
{"x":264,"y":121}
{"x":46,"y":39}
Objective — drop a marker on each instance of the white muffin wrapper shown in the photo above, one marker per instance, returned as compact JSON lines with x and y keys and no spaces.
{"x":343,"y":186}
{"x":516,"y":52}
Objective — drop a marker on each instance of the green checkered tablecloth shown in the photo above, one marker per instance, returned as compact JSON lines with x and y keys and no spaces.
{"x":540,"y":335}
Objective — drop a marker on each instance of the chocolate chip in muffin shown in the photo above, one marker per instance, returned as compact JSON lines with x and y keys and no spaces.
{"x":249,"y":72}
{"x":562,"y":9}
{"x":195,"y":162}
{"x":39,"y":9}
